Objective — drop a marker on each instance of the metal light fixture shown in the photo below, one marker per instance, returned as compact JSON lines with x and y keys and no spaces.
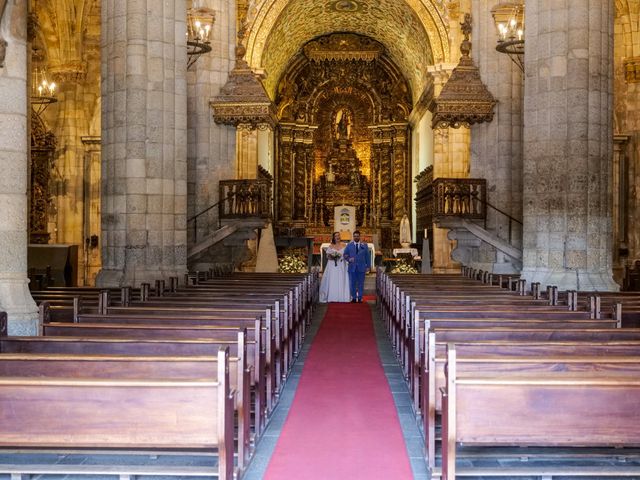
{"x":43,"y":92}
{"x":199,"y":26}
{"x":509,"y":20}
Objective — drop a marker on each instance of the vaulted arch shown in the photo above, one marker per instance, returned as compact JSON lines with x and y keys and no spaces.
{"x":413,"y":31}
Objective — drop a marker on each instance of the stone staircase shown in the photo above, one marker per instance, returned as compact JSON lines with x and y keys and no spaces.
{"x":226,"y":244}
{"x":460,"y":205}
{"x":470,"y":237}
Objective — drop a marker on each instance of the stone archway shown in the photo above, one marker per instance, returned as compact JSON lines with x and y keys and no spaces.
{"x":343,"y":108}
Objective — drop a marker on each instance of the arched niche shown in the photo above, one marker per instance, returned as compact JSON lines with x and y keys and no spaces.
{"x":342,"y":108}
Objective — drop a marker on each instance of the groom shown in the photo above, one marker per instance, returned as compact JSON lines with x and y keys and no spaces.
{"x":356,"y":253}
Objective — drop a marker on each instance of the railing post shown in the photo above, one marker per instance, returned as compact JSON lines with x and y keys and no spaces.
{"x":510,"y":230}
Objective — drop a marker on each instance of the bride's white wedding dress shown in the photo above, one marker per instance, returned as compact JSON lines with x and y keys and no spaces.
{"x":334,"y":286}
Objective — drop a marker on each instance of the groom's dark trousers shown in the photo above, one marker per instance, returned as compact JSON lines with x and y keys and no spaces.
{"x":356,"y":284}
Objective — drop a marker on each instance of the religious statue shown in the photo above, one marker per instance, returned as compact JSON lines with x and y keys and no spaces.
{"x":343,"y":125}
{"x":405,"y":232}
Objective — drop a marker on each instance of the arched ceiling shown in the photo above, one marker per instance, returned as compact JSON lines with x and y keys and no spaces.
{"x":413,"y":31}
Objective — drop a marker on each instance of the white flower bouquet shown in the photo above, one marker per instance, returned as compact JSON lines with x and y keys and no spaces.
{"x":335,"y":256}
{"x":403,"y":266}
{"x":292,"y":262}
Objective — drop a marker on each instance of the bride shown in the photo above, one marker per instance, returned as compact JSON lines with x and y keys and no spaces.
{"x":334,"y":286}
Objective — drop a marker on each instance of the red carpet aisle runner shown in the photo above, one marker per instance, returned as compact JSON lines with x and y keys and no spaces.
{"x":343,"y":423}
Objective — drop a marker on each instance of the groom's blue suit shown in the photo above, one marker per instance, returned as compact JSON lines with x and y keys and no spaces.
{"x":360,"y":265}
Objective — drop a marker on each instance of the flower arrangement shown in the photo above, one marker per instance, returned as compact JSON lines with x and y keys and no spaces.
{"x":293,"y":262}
{"x":403,"y":266}
{"x":335,"y":256}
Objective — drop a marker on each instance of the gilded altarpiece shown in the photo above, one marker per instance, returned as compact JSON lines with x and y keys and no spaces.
{"x":342,"y":137}
{"x":43,"y":146}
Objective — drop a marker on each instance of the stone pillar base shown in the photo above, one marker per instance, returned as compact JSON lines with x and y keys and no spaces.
{"x":117,"y":278}
{"x":15,"y":299}
{"x":571,"y":279}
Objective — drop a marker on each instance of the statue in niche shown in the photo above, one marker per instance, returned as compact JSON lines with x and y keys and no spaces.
{"x":342,"y":125}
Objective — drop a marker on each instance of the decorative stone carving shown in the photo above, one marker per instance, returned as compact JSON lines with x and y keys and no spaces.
{"x":632,"y":69}
{"x":464,"y":100}
{"x":243,"y":99}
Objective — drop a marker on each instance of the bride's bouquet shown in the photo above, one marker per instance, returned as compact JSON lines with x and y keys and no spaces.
{"x":335,"y":256}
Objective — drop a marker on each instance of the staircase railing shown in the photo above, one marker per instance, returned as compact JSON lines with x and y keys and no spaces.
{"x":465,"y":198}
{"x":238,"y":199}
{"x":511,"y":219}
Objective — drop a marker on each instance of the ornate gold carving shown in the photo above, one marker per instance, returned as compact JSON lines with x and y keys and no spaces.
{"x":464,"y":100}
{"x":43,"y":146}
{"x":414,"y":31}
{"x":424,"y":178}
{"x":632,"y":69}
{"x":343,"y":46}
{"x":345,"y":6}
{"x":342,"y":136}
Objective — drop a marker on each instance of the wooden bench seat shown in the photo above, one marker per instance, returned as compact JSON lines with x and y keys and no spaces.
{"x":121,"y":413}
{"x":269,"y":363}
{"x":574,"y":409}
{"x":515,"y":358}
{"x":136,"y":367}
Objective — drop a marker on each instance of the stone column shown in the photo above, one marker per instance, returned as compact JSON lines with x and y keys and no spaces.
{"x":212,"y":147}
{"x":496,"y":147}
{"x":422,"y":156}
{"x":92,"y":161}
{"x":15,"y":298}
{"x":568,"y":144}
{"x":451,"y":157}
{"x":144,"y":113}
{"x":72,"y":123}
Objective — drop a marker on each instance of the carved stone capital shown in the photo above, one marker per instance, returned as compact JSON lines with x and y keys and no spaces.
{"x":69,"y":73}
{"x":632,"y":69}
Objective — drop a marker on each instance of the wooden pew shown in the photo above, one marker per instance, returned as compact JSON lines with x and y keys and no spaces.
{"x":271,"y":381}
{"x":563,"y":409}
{"x":559,"y":355}
{"x":146,"y":347}
{"x":121,"y":413}
{"x":130,"y":366}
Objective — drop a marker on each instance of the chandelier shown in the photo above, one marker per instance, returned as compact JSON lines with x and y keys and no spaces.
{"x":43,"y":92}
{"x":509,"y":20}
{"x":199,"y":26}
